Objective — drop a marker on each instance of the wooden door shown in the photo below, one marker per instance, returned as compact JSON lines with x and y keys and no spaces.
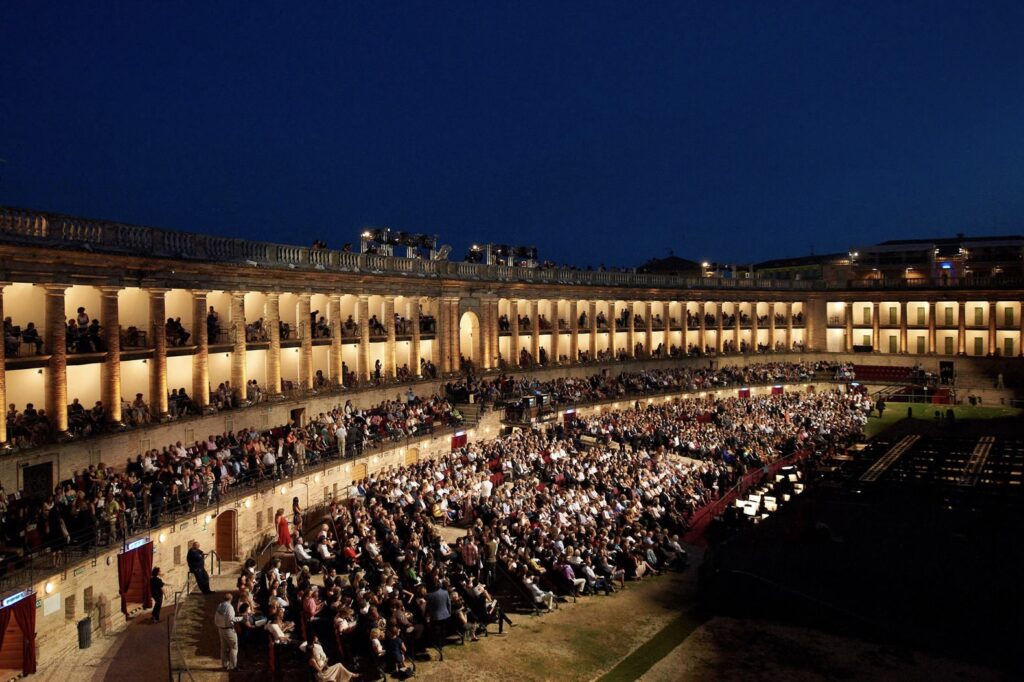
{"x":226,"y":535}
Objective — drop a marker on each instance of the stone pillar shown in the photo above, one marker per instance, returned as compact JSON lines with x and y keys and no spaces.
{"x":754,"y":327}
{"x":363,"y":313}
{"x":390,"y":371}
{"x":535,"y":330}
{"x":57,"y":370}
{"x":702,"y":339}
{"x":485,"y":335}
{"x":684,"y":326}
{"x":611,"y":327}
{"x":736,"y":327}
{"x":201,"y":360}
{"x":273,"y":320}
{"x":961,"y":319}
{"x":593,"y":329}
{"x":574,"y":331}
{"x":789,"y":326}
{"x":513,"y":321}
{"x":3,"y":371}
{"x":414,"y":345}
{"x":720,"y":337}
{"x":849,"y":326}
{"x":1020,"y":338}
{"x":903,"y":327}
{"x":334,"y":361}
{"x":649,"y":327}
{"x":495,"y":336}
{"x":932,"y":340}
{"x":239,"y":378}
{"x":556,"y":333}
{"x":991,"y":327}
{"x":771,"y":327}
{"x":630,"y":331}
{"x":876,"y":323}
{"x":110,"y":372}
{"x":435,"y":348}
{"x":158,"y":372}
{"x":454,"y":340}
{"x":305,"y":342}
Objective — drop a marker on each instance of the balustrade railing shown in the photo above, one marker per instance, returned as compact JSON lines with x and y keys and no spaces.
{"x":27,"y":226}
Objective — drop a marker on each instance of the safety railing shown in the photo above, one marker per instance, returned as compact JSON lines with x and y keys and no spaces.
{"x":43,"y":228}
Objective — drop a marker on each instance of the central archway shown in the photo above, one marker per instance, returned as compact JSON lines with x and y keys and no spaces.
{"x":470,"y":339}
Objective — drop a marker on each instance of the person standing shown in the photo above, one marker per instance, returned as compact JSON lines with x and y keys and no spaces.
{"x":156,"y":588}
{"x":224,"y":618}
{"x":284,"y":534}
{"x":195,"y":558}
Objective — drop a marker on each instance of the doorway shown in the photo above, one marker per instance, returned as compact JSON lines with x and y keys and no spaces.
{"x":227,"y":535}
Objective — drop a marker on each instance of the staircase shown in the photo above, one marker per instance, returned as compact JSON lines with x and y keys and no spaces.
{"x":470,"y":413}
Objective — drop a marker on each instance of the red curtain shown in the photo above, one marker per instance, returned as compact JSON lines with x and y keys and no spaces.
{"x":125,"y":569}
{"x":25,"y":614}
{"x":5,"y":620}
{"x":146,"y":566}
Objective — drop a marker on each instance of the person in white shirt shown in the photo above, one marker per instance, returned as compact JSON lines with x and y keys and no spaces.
{"x":224,"y":618}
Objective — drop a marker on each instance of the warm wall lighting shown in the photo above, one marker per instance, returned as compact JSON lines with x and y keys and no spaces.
{"x":248,"y":504}
{"x":49,"y":588}
{"x":162,"y":538}
{"x":284,"y":489}
{"x":208,"y":519}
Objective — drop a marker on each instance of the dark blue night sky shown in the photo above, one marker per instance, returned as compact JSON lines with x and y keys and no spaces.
{"x":599,"y":132}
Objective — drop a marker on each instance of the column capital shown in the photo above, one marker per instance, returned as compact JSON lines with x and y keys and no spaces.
{"x":109,"y":290}
{"x":55,"y":289}
{"x":273,"y":295}
{"x":199,"y":292}
{"x":305,"y":296}
{"x":238,"y":295}
{"x":157,"y":291}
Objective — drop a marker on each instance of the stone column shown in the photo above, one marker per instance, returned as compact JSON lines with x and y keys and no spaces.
{"x":3,"y":371}
{"x":273,"y":319}
{"x":435,"y":348}
{"x":495,"y":336}
{"x":239,"y":378}
{"x":535,"y":330}
{"x":57,"y":370}
{"x":849,"y":326}
{"x":363,"y":313}
{"x":513,"y":321}
{"x":454,"y":340}
{"x":932,"y":340}
{"x":991,"y":327}
{"x":754,"y":326}
{"x":110,"y":372}
{"x":903,"y":327}
{"x":201,"y":360}
{"x":574,"y":331}
{"x":556,"y":332}
{"x":684,"y":326}
{"x":876,"y":323}
{"x":593,"y":329}
{"x":720,"y":337}
{"x":1020,"y":338}
{"x":334,"y":357}
{"x":390,"y":371}
{"x":305,"y":342}
{"x":649,"y":327}
{"x":611,"y":327}
{"x":771,"y":327}
{"x":414,"y":345}
{"x":631,"y":331}
{"x":789,"y":326}
{"x":158,"y":372}
{"x":961,"y":341}
{"x":702,"y":339}
{"x":736,"y":327}
{"x":485,"y":334}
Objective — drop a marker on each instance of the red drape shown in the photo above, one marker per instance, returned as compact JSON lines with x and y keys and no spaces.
{"x":5,"y":620}
{"x":125,"y":569}
{"x":25,"y":614}
{"x":146,"y":566}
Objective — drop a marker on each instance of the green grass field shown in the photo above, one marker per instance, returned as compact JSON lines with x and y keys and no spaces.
{"x":896,"y":412}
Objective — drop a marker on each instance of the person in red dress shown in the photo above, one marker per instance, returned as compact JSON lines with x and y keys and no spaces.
{"x":284,"y":534}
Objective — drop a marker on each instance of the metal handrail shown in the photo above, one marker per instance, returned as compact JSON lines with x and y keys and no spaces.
{"x":172,"y":631}
{"x":213,"y":555}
